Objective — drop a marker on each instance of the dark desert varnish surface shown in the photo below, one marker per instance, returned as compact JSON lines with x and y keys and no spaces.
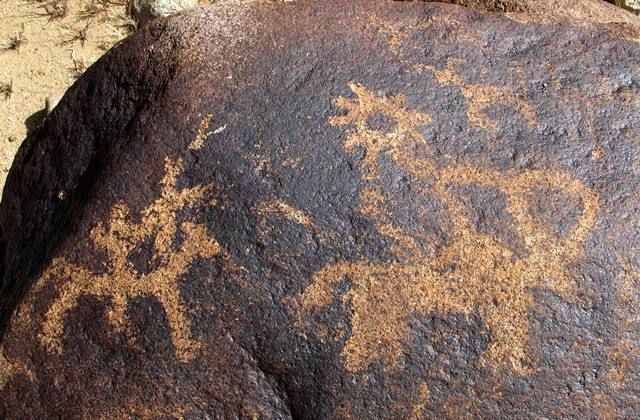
{"x":328,"y":210}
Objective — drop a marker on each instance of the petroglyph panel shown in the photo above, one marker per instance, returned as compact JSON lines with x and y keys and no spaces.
{"x":331,"y":209}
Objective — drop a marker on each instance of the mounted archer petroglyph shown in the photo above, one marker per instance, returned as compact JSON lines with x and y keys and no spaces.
{"x":474,"y":272}
{"x":121,"y":280}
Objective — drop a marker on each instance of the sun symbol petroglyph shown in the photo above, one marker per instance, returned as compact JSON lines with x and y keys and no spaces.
{"x":473,"y":273}
{"x":121,"y":280}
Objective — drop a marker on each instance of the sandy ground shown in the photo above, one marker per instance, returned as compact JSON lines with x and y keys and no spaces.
{"x":51,"y":55}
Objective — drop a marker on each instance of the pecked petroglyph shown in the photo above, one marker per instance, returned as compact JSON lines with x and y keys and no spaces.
{"x":629,"y":288}
{"x":121,"y":281}
{"x":479,"y":97}
{"x":8,"y":369}
{"x":473,"y":273}
{"x":399,"y":34}
{"x":447,"y":260}
{"x":623,"y":352}
{"x":417,"y":411}
{"x":198,"y":142}
{"x":285,"y":210}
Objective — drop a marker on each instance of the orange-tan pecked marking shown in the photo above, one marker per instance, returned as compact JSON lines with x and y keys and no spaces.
{"x":198,"y":142}
{"x":475,"y":271}
{"x":285,"y":210}
{"x":121,"y":281}
{"x":428,"y":214}
{"x":480,"y":97}
{"x":5,"y":369}
{"x":398,"y":34}
{"x":10,"y":368}
{"x":419,"y":408}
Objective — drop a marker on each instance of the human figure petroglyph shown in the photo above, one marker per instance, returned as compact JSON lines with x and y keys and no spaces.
{"x":121,"y":281}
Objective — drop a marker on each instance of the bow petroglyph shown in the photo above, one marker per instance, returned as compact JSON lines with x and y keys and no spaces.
{"x":474,"y":272}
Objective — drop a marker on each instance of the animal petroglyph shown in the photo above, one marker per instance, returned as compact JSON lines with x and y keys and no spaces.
{"x":398,"y":35}
{"x":121,"y":280}
{"x":473,"y":272}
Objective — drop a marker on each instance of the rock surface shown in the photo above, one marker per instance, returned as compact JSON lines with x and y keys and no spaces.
{"x":329,"y":210}
{"x":144,"y":11}
{"x":597,"y":13}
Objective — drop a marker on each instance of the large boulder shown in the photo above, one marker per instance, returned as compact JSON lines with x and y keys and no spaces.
{"x":331,"y":209}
